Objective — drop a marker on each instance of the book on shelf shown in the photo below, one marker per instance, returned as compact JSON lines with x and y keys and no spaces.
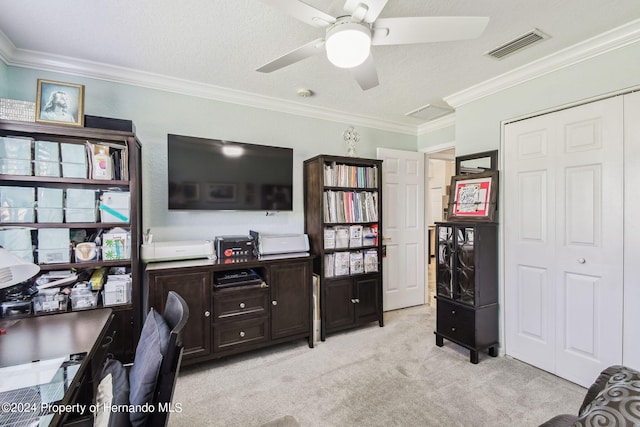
{"x":350,"y":206}
{"x":342,"y":263}
{"x":342,"y":236}
{"x":370,"y":235}
{"x":356,"y":260}
{"x":355,"y":236}
{"x":341,"y":175}
{"x":329,"y":263}
{"x":329,"y":238}
{"x":371,"y":261}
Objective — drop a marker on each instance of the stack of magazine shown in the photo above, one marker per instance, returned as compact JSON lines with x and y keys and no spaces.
{"x":347,"y":263}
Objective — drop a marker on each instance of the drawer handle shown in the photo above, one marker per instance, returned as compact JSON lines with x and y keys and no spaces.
{"x":242,"y":305}
{"x":207,"y":314}
{"x":242,"y":334}
{"x":453,"y":312}
{"x":453,"y":329}
{"x":274,"y":302}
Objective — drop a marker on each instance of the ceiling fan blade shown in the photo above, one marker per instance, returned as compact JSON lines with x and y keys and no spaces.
{"x":388,"y":31}
{"x":366,"y":74}
{"x":303,"y":52}
{"x":303,"y":12}
{"x":374,"y":8}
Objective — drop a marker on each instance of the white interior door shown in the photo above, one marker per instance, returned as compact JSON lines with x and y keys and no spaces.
{"x":403,"y":230}
{"x":564,"y":240}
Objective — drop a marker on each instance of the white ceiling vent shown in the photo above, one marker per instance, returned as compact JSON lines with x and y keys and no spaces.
{"x":429,"y":112}
{"x":517,"y":44}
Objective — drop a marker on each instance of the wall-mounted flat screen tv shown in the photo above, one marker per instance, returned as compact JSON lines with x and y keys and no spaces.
{"x":213,"y":174}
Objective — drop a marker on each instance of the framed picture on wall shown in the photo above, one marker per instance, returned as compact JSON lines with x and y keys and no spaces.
{"x":60,"y":103}
{"x":473,"y":197}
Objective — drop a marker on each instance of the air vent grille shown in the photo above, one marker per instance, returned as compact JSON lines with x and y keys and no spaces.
{"x":429,"y":112}
{"x":517,"y":44}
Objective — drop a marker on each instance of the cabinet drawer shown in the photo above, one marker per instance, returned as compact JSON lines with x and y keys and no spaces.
{"x":240,"y":304}
{"x":456,"y":322}
{"x":227,"y":336}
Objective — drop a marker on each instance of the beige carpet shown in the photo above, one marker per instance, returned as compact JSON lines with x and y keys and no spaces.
{"x":372,"y":376}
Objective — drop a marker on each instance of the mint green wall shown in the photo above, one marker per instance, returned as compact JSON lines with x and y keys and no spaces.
{"x":437,"y":137}
{"x":3,"y":80}
{"x":157,"y":113}
{"x":478,"y":123}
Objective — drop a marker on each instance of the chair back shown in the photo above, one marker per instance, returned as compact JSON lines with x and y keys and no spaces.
{"x":176,"y":315}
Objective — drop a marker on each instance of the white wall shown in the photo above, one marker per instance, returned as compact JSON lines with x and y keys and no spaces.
{"x":157,"y":113}
{"x":478,"y":123}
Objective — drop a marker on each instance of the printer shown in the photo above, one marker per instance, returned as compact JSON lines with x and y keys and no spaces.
{"x":279,"y":244}
{"x":177,"y":250}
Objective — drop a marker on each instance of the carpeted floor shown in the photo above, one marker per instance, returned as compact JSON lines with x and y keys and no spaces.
{"x":372,"y":376}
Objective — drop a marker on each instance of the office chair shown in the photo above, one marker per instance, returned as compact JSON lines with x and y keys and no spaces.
{"x":160,"y":343}
{"x":176,"y":315}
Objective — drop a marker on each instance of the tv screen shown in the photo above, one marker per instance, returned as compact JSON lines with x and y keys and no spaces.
{"x":212,"y":174}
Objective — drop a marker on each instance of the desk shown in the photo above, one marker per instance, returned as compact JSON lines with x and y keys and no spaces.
{"x":55,"y":338}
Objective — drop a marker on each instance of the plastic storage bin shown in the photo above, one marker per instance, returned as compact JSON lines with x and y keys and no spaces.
{"x":49,"y":300}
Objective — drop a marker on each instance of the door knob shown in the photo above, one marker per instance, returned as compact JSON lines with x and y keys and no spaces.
{"x":582,"y":260}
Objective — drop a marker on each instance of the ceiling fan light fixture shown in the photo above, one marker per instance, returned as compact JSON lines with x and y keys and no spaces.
{"x":348,"y":44}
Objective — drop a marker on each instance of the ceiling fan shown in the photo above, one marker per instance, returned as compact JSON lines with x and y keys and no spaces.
{"x":348,"y":38}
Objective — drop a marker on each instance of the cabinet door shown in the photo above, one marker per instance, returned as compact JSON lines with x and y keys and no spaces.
{"x":195,"y":288}
{"x":367,"y":299}
{"x":290,"y":299}
{"x":445,"y":260}
{"x":339,"y":305}
{"x":465,"y":289}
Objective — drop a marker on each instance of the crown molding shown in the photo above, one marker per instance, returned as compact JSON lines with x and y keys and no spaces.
{"x":595,"y":46}
{"x":437,"y":124}
{"x":95,"y":70}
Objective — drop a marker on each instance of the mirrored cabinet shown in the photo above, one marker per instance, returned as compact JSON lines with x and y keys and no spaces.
{"x":467,"y":286}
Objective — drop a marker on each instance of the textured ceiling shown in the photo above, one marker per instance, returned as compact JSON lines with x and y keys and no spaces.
{"x":221,"y":43}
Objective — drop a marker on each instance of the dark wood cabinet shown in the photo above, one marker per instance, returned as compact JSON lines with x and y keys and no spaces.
{"x":290,"y":296}
{"x":467,"y":286}
{"x":126,"y":324}
{"x":195,"y":288}
{"x":343,"y":218}
{"x":230,"y":320}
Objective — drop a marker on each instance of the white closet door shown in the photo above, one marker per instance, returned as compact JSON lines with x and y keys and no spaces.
{"x":564,"y":240}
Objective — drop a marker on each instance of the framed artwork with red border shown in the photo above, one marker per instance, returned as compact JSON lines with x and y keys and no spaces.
{"x":473,"y":197}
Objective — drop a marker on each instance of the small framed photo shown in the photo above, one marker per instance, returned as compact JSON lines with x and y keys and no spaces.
{"x":473,"y":197}
{"x":60,"y":103}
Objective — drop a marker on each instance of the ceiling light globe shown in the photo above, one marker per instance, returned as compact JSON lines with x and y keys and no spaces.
{"x":348,"y":44}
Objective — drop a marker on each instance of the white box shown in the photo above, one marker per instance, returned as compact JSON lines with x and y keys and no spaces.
{"x":54,"y":215}
{"x":73,"y":153}
{"x":50,"y":197}
{"x":80,"y":198}
{"x":17,"y":215}
{"x":54,"y":256}
{"x":116,"y":245}
{"x":16,"y":239}
{"x":17,"y":197}
{"x":47,"y":151}
{"x":45,"y":168}
{"x":15,"y":167}
{"x":80,"y":215}
{"x":15,"y":148}
{"x":53,"y":238}
{"x":74,"y":170}
{"x":114,"y":206}
{"x":116,"y":292}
